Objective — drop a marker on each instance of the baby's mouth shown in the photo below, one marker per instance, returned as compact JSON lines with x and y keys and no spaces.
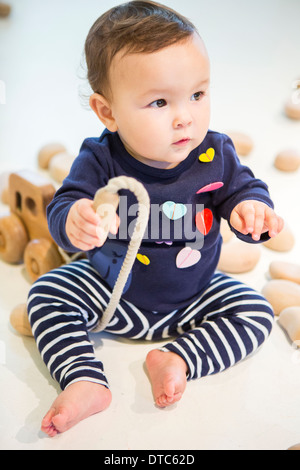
{"x":182,"y":142}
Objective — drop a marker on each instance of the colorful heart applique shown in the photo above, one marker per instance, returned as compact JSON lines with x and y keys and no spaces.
{"x":143,"y":259}
{"x":211,"y":187}
{"x":173,"y":210}
{"x":187,"y":257}
{"x":204,"y":221}
{"x":208,"y":156}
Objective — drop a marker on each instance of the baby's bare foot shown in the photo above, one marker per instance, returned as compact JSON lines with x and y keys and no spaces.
{"x":77,"y":402}
{"x":167,"y":372}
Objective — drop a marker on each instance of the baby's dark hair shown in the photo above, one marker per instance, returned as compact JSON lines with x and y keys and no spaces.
{"x":135,"y":27}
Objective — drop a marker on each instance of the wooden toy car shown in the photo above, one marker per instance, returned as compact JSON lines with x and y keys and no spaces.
{"x":24,"y":234}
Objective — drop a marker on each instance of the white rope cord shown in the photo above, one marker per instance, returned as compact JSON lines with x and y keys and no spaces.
{"x":105,"y":204}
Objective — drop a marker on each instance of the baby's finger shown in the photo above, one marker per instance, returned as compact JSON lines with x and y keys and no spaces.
{"x":87,"y":232}
{"x":81,"y":245}
{"x":248,"y":214}
{"x":258,"y":223}
{"x":84,"y":234}
{"x":85,"y":211}
{"x":273,"y":222}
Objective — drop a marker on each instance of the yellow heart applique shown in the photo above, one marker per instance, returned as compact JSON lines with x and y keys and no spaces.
{"x":143,"y":259}
{"x":208,"y":156}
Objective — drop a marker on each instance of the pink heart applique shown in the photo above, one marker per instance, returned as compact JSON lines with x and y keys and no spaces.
{"x":187,"y":257}
{"x":204,"y":221}
{"x":211,"y":187}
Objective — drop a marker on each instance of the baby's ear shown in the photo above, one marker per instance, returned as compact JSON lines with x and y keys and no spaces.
{"x":103,"y":110}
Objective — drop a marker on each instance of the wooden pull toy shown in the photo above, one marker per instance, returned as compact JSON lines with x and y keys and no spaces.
{"x":106,"y":202}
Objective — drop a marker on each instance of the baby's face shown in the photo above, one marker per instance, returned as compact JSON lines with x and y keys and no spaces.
{"x":160,"y":102}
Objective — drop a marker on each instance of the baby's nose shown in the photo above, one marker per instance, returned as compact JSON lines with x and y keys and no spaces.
{"x":182,"y":120}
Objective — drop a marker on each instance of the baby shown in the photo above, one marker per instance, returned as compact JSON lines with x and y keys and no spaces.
{"x":150,"y":75}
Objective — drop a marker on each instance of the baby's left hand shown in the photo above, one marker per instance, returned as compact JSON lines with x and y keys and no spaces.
{"x":255,"y":218}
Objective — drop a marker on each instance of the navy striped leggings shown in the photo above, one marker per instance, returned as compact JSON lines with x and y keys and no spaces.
{"x":228,"y":322}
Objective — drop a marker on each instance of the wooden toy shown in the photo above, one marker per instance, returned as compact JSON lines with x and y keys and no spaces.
{"x":5,"y":9}
{"x":4,"y":196}
{"x":292,"y":110}
{"x":292,"y":106}
{"x":19,"y":320}
{"x":243,"y":143}
{"x":105,"y":204}
{"x":284,"y":241}
{"x":24,"y":234}
{"x":289,"y":319}
{"x":60,"y":165}
{"x":285,"y":270}
{"x":238,"y":257}
{"x":55,"y":158}
{"x":47,"y":152}
{"x":282,"y":294}
{"x":295,"y":447}
{"x":287,"y":160}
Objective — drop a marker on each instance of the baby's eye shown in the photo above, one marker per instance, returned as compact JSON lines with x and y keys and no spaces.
{"x":197,"y":96}
{"x":158,"y":103}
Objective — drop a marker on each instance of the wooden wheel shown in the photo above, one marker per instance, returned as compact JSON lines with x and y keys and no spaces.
{"x":19,"y":320}
{"x":13,"y":239}
{"x":40,"y":257}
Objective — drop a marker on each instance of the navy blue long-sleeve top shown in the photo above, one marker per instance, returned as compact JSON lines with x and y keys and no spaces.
{"x":181,"y":246}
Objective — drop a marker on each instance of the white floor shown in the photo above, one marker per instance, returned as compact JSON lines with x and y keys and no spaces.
{"x":255,"y":54}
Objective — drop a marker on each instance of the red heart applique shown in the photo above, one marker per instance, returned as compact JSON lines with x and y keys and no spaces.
{"x":204,"y":221}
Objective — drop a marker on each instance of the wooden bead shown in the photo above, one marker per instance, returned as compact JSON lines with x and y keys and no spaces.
{"x":285,"y":270}
{"x":289,"y":319}
{"x":60,"y":165}
{"x":238,"y":257}
{"x":284,"y":241}
{"x":292,"y":109}
{"x":47,"y":152}
{"x":5,"y":9}
{"x":295,"y":447}
{"x":282,"y":294}
{"x":243,"y":143}
{"x":287,"y":160}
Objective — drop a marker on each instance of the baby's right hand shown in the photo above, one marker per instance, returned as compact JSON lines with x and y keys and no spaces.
{"x":83,"y":226}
